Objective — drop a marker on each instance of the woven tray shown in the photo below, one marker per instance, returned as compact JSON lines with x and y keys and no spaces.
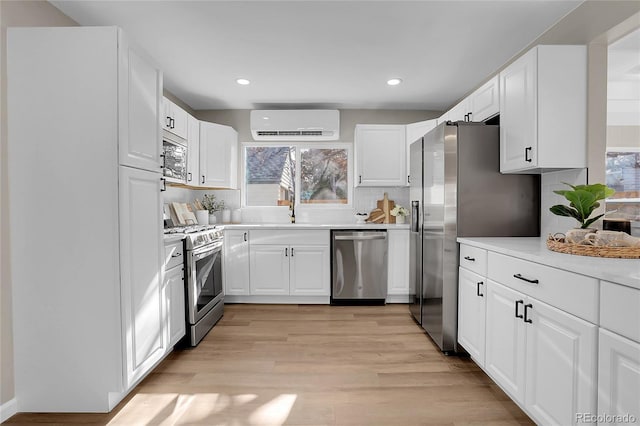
{"x":557,"y":243}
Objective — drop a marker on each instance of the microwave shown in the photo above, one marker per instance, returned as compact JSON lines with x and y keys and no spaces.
{"x":174,"y":156}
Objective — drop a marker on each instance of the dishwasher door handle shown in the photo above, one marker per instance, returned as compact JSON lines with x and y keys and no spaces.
{"x":359,"y":237}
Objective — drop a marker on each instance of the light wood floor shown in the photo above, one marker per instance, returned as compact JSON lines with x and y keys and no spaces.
{"x":309,"y":365}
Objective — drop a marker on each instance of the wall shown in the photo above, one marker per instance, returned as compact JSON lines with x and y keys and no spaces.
{"x":623,"y":136}
{"x":13,"y":14}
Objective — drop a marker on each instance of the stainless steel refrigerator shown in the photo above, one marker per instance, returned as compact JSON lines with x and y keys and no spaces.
{"x":457,"y":191}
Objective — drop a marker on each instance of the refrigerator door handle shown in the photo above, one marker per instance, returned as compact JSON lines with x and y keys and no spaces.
{"x":415,"y":209}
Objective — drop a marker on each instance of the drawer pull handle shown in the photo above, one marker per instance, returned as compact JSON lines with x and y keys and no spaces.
{"x":526,"y":311}
{"x":176,"y":255}
{"x":245,"y":236}
{"x":520,"y":277}
{"x":519,"y":302}
{"x":478,"y":289}
{"x":286,"y":252}
{"x":470,"y":259}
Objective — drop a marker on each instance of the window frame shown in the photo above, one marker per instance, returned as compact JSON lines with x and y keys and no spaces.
{"x":298,"y":146}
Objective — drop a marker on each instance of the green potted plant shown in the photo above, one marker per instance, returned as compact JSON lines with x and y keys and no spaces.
{"x":583,"y":200}
{"x":209,"y":202}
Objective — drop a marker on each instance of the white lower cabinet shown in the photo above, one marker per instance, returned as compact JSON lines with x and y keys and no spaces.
{"x":236,"y":262}
{"x":618,"y":379}
{"x":471,"y":314}
{"x":269,"y":270}
{"x":175,"y":307}
{"x":544,"y":358}
{"x":398,"y":265}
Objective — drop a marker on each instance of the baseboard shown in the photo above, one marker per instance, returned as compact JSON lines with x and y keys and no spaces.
{"x":397,"y":298}
{"x":8,"y":409}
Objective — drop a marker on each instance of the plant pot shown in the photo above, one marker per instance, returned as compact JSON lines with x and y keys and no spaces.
{"x":212,"y":219}
{"x":399,"y":219}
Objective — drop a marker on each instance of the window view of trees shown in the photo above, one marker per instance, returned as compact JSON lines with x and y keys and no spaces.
{"x":323,"y":176}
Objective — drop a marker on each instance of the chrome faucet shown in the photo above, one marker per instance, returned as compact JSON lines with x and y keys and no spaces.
{"x":292,"y":209}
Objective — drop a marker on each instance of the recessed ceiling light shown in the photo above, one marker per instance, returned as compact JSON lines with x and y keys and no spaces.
{"x":243,"y":81}
{"x":394,"y":81}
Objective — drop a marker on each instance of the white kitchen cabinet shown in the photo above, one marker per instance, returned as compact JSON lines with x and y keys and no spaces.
{"x":173,"y":289}
{"x":484,"y":102}
{"x":471,"y":313}
{"x":289,"y":263}
{"x":380,"y":155}
{"x":193,"y":151}
{"x":141,"y":259}
{"x":505,"y":339}
{"x":618,"y":377}
{"x":543,"y":110}
{"x":218,"y":156}
{"x":236,"y":262}
{"x":140,"y":86}
{"x":414,"y":131}
{"x":398,"y":264}
{"x":544,"y":358}
{"x":175,"y":119}
{"x":99,"y":300}
{"x":459,"y":112}
{"x":269,"y":270}
{"x":309,"y":270}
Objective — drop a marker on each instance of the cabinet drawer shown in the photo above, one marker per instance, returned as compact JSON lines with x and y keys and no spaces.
{"x":473,"y":259}
{"x":173,"y":255}
{"x":570,"y":292}
{"x":620,"y":309}
{"x":289,"y":237}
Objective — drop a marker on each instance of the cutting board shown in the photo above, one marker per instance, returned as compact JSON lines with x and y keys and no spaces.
{"x":386,"y":205}
{"x":184,"y":215}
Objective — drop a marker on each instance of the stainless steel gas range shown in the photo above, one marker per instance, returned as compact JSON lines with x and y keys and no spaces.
{"x":203,"y":278}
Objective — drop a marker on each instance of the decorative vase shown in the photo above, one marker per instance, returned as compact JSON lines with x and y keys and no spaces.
{"x":226,"y":216}
{"x":202,"y":217}
{"x":399,"y":219}
{"x":576,"y":235}
{"x":212,"y":219}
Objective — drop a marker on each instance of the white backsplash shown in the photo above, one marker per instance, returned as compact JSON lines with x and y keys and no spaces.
{"x":550,"y":223}
{"x":364,"y":200}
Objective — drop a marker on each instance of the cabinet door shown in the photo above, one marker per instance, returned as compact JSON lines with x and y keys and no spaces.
{"x":269,"y":269}
{"x":236,"y":262}
{"x":561,"y":365}
{"x":174,"y":296}
{"x":398,"y":262}
{"x":618,"y":376}
{"x":309,"y":270}
{"x":518,"y":114}
{"x":180,"y":121}
{"x":471,"y":314}
{"x":193,"y":151}
{"x":141,"y":253}
{"x":140,"y":101}
{"x":460,"y":112}
{"x":485,"y":101}
{"x":218,"y":156}
{"x":381,"y":155}
{"x":505,"y":339}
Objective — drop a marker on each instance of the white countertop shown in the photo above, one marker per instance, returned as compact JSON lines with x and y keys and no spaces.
{"x":315,"y":226}
{"x":621,"y":271}
{"x":172,"y":238}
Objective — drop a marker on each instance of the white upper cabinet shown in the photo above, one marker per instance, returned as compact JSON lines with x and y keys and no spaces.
{"x":485,"y":101}
{"x":218,"y":156}
{"x":193,"y":151}
{"x":415,"y":131}
{"x":543,"y":110}
{"x":140,"y":91}
{"x":381,"y":155}
{"x":459,"y":112}
{"x":175,"y":119}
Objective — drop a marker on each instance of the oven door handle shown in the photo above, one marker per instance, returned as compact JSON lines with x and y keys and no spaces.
{"x":206,"y":251}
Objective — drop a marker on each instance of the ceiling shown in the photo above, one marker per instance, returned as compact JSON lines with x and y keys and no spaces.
{"x":325,"y":54}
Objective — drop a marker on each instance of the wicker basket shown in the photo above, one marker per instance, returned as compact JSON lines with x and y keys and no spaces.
{"x":557,"y":243}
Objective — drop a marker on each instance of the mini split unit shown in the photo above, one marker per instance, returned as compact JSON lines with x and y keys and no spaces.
{"x":295,"y":125}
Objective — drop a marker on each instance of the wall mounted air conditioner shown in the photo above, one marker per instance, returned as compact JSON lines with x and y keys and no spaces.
{"x":295,"y":125}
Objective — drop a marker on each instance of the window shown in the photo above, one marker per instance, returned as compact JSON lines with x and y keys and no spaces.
{"x":623,"y":175}
{"x":276,"y":175}
{"x":324,"y":176}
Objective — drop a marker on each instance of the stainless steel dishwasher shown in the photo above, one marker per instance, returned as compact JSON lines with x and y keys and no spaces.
{"x":359,"y":267}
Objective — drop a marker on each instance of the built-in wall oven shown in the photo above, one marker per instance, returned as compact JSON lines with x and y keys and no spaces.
{"x":203,"y":281}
